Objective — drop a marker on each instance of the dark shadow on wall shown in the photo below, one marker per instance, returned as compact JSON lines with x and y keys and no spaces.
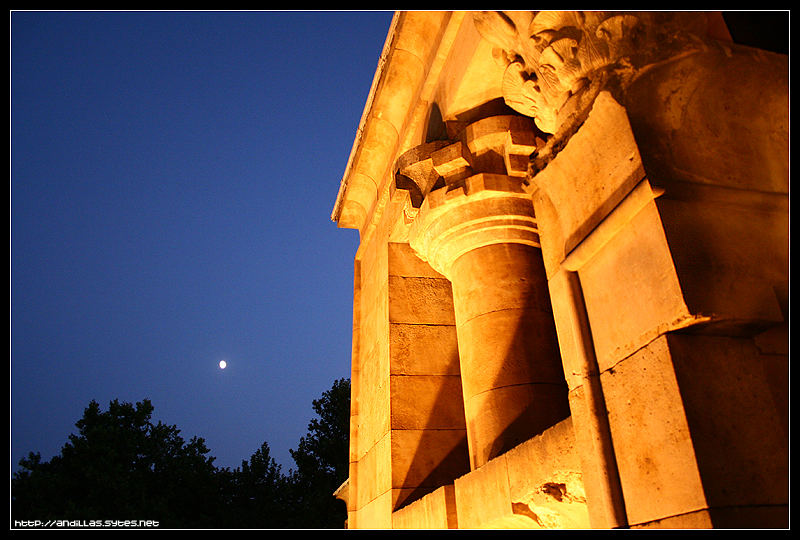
{"x":452,"y":466}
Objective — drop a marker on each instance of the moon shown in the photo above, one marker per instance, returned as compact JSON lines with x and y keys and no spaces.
{"x":223,"y":364}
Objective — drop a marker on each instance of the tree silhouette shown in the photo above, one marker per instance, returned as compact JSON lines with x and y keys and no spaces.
{"x":122,"y":465}
{"x":322,"y":459}
{"x":258,"y":494}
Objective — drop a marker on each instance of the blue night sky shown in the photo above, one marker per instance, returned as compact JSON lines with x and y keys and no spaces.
{"x":172,"y":180}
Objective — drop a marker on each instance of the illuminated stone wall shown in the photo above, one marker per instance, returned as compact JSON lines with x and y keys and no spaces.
{"x":571,"y":288}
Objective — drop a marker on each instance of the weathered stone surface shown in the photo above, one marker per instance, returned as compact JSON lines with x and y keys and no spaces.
{"x":502,"y":417}
{"x":571,"y":289}
{"x":483,"y":495}
{"x":723,"y":388}
{"x":631,"y":289}
{"x":505,"y":276}
{"x":656,"y":458}
{"x":437,"y":510}
{"x":536,"y":485}
{"x":738,"y":257}
{"x":545,"y":480}
{"x":700,"y":519}
{"x":372,"y":464}
{"x":596,"y":170}
{"x":376,"y":514}
{"x":403,"y":261}
{"x":424,"y":349}
{"x":507,"y":351}
{"x":600,"y":481}
{"x":417,"y":300}
{"x":740,"y":517}
{"x":424,"y":459}
{"x":718,"y":117}
{"x":426,"y":402}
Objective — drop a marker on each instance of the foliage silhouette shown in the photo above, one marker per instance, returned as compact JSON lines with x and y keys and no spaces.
{"x":322,"y":459}
{"x":255,"y":494}
{"x":122,"y":465}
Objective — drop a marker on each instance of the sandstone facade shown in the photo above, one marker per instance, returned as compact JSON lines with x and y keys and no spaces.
{"x":571,"y":289}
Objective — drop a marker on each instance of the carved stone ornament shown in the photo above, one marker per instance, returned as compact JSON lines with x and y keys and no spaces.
{"x":558,"y":61}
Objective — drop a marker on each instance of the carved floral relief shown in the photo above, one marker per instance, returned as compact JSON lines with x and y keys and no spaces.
{"x":557,"y":61}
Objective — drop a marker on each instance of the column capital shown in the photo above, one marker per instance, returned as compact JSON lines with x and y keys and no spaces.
{"x":484,"y":209}
{"x":470,"y":192}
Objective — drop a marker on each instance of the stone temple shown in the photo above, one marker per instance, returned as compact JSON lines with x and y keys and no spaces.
{"x":570,"y":301}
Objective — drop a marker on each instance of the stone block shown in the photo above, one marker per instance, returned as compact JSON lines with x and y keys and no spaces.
{"x":741,"y":448}
{"x":717,"y":117}
{"x":731,"y":252}
{"x":517,"y":151}
{"x":483,"y":495}
{"x":426,"y":402}
{"x":551,"y":235}
{"x":374,"y":419}
{"x":774,"y":348}
{"x":424,"y":459}
{"x":630,"y":288}
{"x":377,"y":514}
{"x":403,"y":261}
{"x":602,"y":157}
{"x":379,"y":136}
{"x":595,"y":474}
{"x":362,"y":193}
{"x":412,"y":516}
{"x":372,"y":258}
{"x":692,"y":431}
{"x":453,"y":162}
{"x":375,"y":465}
{"x":373,"y":313}
{"x":652,"y":441}
{"x":569,"y":318}
{"x":422,"y":349}
{"x":542,"y":459}
{"x":440,"y":507}
{"x":739,"y":517}
{"x":699,"y":519}
{"x":373,"y":288}
{"x":436,"y":510}
{"x":545,"y":479}
{"x":536,"y":485}
{"x":420,"y":300}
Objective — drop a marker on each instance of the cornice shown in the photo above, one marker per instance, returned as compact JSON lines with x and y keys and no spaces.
{"x":404,"y":82}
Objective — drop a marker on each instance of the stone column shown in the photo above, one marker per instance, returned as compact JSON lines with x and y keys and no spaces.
{"x":479,"y":231}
